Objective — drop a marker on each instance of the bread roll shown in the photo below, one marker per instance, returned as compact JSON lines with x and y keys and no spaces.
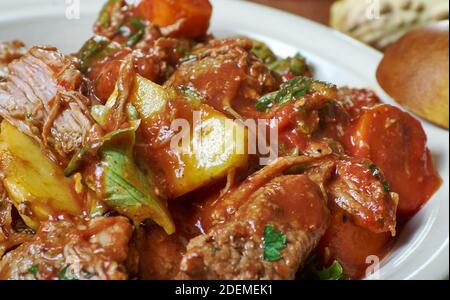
{"x":379,"y":23}
{"x":414,"y":71}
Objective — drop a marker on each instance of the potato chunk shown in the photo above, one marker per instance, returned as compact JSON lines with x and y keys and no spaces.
{"x":212,"y":152}
{"x":36,"y":184}
{"x":215,"y":145}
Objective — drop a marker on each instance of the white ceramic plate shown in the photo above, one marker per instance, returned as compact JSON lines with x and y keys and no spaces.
{"x":422,"y":250}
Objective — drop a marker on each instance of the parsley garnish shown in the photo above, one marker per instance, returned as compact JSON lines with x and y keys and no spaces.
{"x":140,"y":27}
{"x":387,"y":186}
{"x":191,"y":92}
{"x":378,"y":174}
{"x":62,"y":275}
{"x":137,"y":23}
{"x":375,"y":170}
{"x":104,"y":17}
{"x":295,"y":65}
{"x":34,"y":269}
{"x":290,"y":90}
{"x":95,"y":49}
{"x":334,"y":272}
{"x":188,"y":58}
{"x":274,"y":241}
{"x":264,"y":53}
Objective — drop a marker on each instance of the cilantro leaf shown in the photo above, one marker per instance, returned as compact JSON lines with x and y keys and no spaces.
{"x":105,"y":16}
{"x":334,"y":272}
{"x":375,"y":170}
{"x":274,"y":241}
{"x":290,"y":90}
{"x":95,"y":49}
{"x":266,"y":101}
{"x":34,"y":269}
{"x":140,"y":27}
{"x":62,"y":275}
{"x":296,"y":65}
{"x":263,"y":52}
{"x":386,"y":186}
{"x":378,"y":174}
{"x":137,"y":23}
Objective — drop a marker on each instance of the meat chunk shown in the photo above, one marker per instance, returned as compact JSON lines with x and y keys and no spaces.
{"x":40,"y":98}
{"x":360,"y":189}
{"x":293,"y":204}
{"x":227,"y":74}
{"x":355,"y":101}
{"x":223,"y":208}
{"x":9,"y":237}
{"x":72,"y":249}
{"x":160,"y":254}
{"x":9,"y":51}
{"x":154,"y":58}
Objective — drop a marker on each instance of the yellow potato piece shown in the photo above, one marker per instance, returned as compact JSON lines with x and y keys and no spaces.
{"x":216,"y":146}
{"x":36,"y":185}
{"x":148,"y":97}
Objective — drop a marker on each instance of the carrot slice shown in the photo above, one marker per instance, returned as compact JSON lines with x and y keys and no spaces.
{"x":189,"y":18}
{"x":396,"y":142}
{"x":351,"y":245}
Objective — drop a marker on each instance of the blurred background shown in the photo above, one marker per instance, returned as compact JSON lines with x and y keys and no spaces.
{"x":378,"y":23}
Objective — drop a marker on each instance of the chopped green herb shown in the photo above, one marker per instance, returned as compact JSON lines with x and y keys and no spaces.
{"x":290,"y":90}
{"x":188,"y":58}
{"x":264,"y":53}
{"x":293,"y":89}
{"x":266,"y":101}
{"x":378,"y":174}
{"x":387,"y":186}
{"x":104,"y":18}
{"x":137,"y":23}
{"x":34,"y":269}
{"x":295,"y":65}
{"x":95,"y":49}
{"x":62,"y":275}
{"x":375,"y":170}
{"x":274,"y":241}
{"x":334,"y":272}
{"x":136,"y":37}
{"x":191,"y":92}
